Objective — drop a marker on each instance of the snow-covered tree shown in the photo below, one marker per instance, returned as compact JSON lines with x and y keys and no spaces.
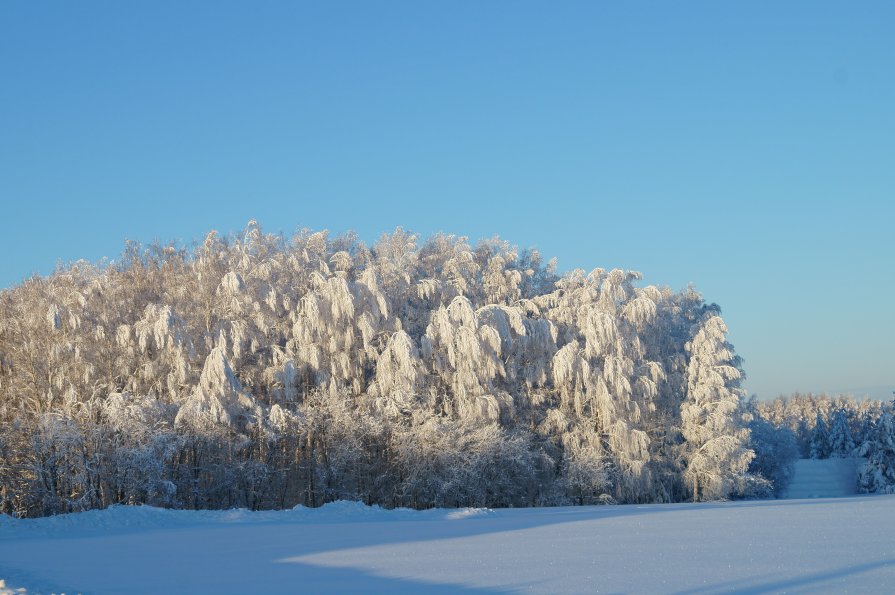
{"x":716,"y":450}
{"x":218,"y":402}
{"x":776,"y":451}
{"x":819,"y":444}
{"x":260,"y":370}
{"x":877,"y":475}
{"x":840,"y":438}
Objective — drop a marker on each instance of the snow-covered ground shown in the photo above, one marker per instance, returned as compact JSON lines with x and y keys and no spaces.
{"x":824,"y":478}
{"x":793,"y":546}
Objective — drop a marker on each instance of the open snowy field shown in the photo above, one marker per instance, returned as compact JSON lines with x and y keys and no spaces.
{"x":793,"y":546}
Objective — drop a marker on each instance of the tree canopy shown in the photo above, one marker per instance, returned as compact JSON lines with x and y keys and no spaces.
{"x":265,"y":371}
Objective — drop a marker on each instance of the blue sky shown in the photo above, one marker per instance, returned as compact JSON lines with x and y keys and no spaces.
{"x":748,"y":148}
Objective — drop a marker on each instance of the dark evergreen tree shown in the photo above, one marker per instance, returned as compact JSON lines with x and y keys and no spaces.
{"x":842,"y":444}
{"x":819,"y":445}
{"x":878,"y":472}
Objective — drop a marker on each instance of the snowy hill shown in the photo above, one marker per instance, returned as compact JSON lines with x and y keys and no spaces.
{"x":824,"y":478}
{"x":830,"y":545}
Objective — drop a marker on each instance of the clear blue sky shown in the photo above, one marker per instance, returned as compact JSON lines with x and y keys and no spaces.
{"x":746,"y":147}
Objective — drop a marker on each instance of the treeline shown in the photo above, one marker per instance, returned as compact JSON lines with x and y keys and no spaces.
{"x":821,"y":426}
{"x":263,"y":371}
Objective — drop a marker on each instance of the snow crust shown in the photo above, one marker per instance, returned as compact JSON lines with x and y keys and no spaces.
{"x":822,"y":545}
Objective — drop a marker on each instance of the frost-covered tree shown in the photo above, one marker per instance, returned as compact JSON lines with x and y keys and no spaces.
{"x":716,"y":451}
{"x":799,"y":412}
{"x":840,"y":438}
{"x":260,"y":370}
{"x":466,"y":354}
{"x":819,"y":444}
{"x":776,"y":451}
{"x":218,"y":403}
{"x":878,"y":472}
{"x":450,"y":463}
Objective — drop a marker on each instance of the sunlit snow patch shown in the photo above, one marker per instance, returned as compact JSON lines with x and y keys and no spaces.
{"x":7,"y":590}
{"x":465,"y":513}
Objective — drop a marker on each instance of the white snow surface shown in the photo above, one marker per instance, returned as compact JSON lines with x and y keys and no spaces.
{"x":794,"y":546}
{"x":824,"y":478}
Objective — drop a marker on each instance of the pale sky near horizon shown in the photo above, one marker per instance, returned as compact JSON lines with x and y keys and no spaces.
{"x":747,"y":148}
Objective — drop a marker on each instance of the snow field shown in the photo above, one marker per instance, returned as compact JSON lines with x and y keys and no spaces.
{"x":824,"y":478}
{"x":829,"y":545}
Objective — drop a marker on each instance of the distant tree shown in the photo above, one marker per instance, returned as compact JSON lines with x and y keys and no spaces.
{"x":841,"y":442}
{"x":878,"y":472}
{"x":776,"y":451}
{"x":819,"y":444}
{"x":803,"y":438}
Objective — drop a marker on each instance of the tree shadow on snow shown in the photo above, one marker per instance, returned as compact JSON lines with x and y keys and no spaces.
{"x":809,"y":582}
